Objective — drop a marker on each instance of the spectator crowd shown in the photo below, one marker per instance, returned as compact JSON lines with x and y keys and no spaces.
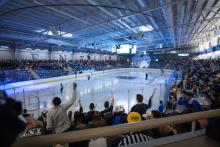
{"x":19,"y":70}
{"x":197,"y":88}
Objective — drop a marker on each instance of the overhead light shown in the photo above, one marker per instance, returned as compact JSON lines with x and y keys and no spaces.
{"x":68,"y":35}
{"x":183,"y":55}
{"x":39,"y":30}
{"x":146,"y":28}
{"x":49,"y":33}
{"x":64,"y":34}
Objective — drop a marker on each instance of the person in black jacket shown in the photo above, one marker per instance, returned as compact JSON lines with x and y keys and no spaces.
{"x":141,"y":107}
{"x":107,"y":113}
{"x":90,"y":114}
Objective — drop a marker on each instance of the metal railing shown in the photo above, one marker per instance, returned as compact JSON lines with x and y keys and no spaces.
{"x":87,"y":134}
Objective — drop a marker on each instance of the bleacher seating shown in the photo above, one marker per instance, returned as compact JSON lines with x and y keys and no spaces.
{"x":16,"y":71}
{"x":17,"y":75}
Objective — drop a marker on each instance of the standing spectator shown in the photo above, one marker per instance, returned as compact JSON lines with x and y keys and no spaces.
{"x":141,"y":107}
{"x":108,"y":112}
{"x":90,"y":114}
{"x":57,"y":119}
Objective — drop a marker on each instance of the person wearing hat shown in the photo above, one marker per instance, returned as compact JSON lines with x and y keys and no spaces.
{"x":57,"y":119}
{"x":119,"y":115}
{"x":141,"y":107}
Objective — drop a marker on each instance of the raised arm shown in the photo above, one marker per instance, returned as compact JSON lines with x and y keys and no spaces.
{"x":73,"y":99}
{"x":151,"y":97}
{"x":113,"y":99}
{"x":80,"y":107}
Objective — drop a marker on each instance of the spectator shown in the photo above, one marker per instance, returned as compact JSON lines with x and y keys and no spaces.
{"x":184,"y":100}
{"x":79,"y":121}
{"x":97,"y":121}
{"x":57,"y":119}
{"x":119,"y":116}
{"x":90,"y":114}
{"x":108,"y":112}
{"x":163,"y":130}
{"x":43,"y":119}
{"x":141,"y":107}
{"x":31,"y":123}
{"x":161,"y":107}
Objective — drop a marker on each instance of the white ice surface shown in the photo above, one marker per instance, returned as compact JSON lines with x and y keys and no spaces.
{"x":97,"y":90}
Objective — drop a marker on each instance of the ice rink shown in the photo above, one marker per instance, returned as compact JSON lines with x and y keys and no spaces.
{"x":125,"y":86}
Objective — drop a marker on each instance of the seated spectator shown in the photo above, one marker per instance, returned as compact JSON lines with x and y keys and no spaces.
{"x":163,"y":130}
{"x":107,"y":114}
{"x":43,"y":119}
{"x":119,"y":116}
{"x":141,"y":107}
{"x":79,"y":121}
{"x":195,"y":105}
{"x":215,"y":97}
{"x":97,"y":121}
{"x":184,"y":100}
{"x":24,"y":113}
{"x":161,"y":106}
{"x":31,"y":123}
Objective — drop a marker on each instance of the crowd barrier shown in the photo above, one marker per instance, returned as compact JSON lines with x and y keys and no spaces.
{"x":87,"y":134}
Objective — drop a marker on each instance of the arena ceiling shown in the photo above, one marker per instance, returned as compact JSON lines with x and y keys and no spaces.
{"x":102,"y":24}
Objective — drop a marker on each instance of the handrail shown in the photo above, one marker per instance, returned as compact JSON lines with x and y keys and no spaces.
{"x":87,"y":134}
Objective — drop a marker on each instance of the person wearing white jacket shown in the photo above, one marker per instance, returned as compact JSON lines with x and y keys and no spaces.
{"x":57,"y":119}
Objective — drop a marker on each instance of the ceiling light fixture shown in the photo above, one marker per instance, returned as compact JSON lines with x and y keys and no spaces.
{"x":63,"y":34}
{"x":146,"y":28}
